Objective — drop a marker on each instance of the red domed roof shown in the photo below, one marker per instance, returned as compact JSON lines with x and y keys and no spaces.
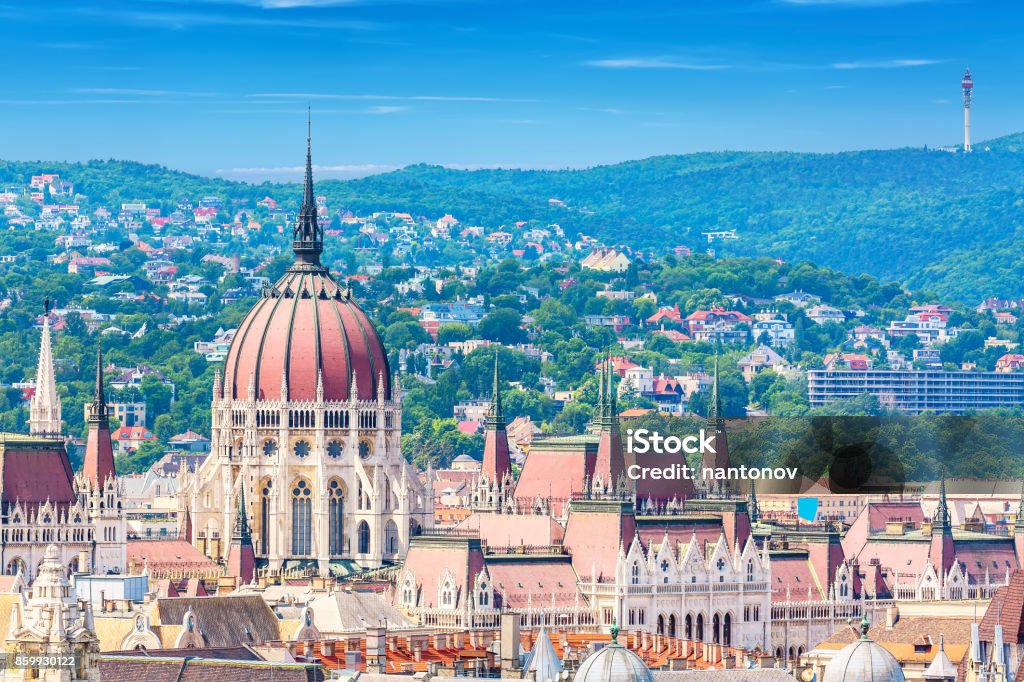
{"x":304,"y":327}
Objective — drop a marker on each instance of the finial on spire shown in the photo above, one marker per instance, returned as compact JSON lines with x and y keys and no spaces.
{"x":46,"y":306}
{"x":865,"y":625}
{"x":615,"y":631}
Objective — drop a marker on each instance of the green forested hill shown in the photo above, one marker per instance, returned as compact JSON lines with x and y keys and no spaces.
{"x":949,"y":223}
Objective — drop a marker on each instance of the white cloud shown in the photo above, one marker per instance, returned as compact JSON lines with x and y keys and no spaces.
{"x":884,"y":64}
{"x":141,"y":92}
{"x":653,"y":63}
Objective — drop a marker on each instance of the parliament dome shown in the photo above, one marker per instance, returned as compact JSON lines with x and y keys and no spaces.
{"x":306,"y":328}
{"x":863,"y":661}
{"x":613,"y":663}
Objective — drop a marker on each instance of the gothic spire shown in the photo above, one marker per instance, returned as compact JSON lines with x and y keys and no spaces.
{"x":495,"y":418}
{"x":44,"y":412}
{"x":307,"y":237}
{"x":241,"y":520}
{"x":1019,"y":519}
{"x":941,"y":521}
{"x":715,"y":408}
{"x":611,"y":385}
{"x":98,"y":463}
{"x":98,"y":408}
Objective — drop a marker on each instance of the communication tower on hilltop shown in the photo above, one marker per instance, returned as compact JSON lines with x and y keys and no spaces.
{"x":968,"y":85}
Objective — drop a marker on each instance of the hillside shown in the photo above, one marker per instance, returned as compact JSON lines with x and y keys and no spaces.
{"x":948,"y":223}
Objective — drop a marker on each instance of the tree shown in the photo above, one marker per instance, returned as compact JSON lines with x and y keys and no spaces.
{"x":503,"y":325}
{"x":448,"y":333}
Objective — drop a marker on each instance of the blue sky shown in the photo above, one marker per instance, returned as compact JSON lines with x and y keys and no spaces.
{"x":222,"y":87}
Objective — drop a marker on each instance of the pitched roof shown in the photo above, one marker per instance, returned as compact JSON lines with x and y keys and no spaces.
{"x":224,"y":621}
{"x":185,"y":669}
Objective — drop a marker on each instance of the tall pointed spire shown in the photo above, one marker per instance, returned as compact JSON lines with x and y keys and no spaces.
{"x":611,"y":407}
{"x":99,"y":455}
{"x":1019,"y":518}
{"x":44,"y":413}
{"x":497,"y":462}
{"x":241,"y":555}
{"x":241,"y":531}
{"x":494,"y":413}
{"x":98,"y":407}
{"x":715,"y":416}
{"x":942,"y":521}
{"x":717,"y":457}
{"x":307,"y":237}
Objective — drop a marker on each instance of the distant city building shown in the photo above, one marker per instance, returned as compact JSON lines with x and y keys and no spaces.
{"x":913,"y":392}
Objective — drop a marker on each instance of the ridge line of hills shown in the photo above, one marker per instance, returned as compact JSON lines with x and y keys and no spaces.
{"x":949,"y":223}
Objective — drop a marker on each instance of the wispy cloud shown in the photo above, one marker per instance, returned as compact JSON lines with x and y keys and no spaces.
{"x":71,"y":102}
{"x":185,"y":20}
{"x":653,"y":63}
{"x":372,"y":97}
{"x":299,"y":170}
{"x":884,"y":64}
{"x":66,"y":46}
{"x":137,"y":92}
{"x":285,"y":173}
{"x":371,"y":111}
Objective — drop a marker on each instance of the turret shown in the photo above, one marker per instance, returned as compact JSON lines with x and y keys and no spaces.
{"x":44,"y":412}
{"x":98,"y":465}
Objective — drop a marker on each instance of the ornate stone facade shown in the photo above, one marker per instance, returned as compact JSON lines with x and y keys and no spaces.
{"x":306,"y":425}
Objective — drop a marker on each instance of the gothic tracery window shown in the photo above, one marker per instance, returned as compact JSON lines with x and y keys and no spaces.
{"x":302,"y":507}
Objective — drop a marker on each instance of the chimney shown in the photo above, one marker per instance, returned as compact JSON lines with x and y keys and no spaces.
{"x":509,"y":643}
{"x":766,"y":662}
{"x":892,"y":616}
{"x":376,"y":650}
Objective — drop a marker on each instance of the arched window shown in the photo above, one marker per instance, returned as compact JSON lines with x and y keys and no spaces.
{"x":265,"y":517}
{"x":364,"y":537}
{"x":672,"y":625}
{"x":484,"y":596}
{"x":688,"y":626}
{"x":391,"y":538}
{"x":700,"y":627}
{"x":302,"y":518}
{"x":408,"y":593}
{"x":750,"y":571}
{"x":727,"y":630}
{"x":716,"y":629}
{"x":635,"y":573}
{"x":661,"y":624}
{"x":336,"y":520}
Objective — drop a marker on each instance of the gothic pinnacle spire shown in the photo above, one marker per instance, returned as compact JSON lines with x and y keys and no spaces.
{"x":941,"y":521}
{"x":494,"y":414}
{"x":307,"y":238}
{"x":98,"y":408}
{"x":715,"y":408}
{"x":44,"y":411}
{"x":611,"y":386}
{"x":241,"y":521}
